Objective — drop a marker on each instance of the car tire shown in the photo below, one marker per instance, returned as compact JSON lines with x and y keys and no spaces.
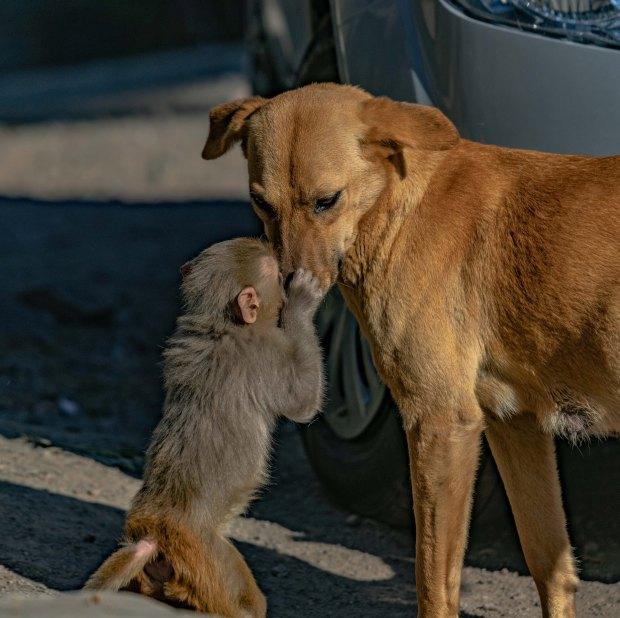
{"x":368,"y":475}
{"x":267,"y":67}
{"x":319,"y":63}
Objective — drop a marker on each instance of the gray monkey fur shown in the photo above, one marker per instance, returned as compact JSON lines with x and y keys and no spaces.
{"x":227,"y":383}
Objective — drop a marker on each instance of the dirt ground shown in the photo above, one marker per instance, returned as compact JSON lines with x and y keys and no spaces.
{"x":89,"y":294}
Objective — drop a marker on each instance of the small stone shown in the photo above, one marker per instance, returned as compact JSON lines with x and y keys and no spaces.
{"x":68,"y":406}
{"x":279,"y":570}
{"x":42,"y":442}
{"x":353,"y":521}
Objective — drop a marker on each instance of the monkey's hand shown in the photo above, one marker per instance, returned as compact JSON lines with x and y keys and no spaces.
{"x":301,"y":377}
{"x":304,"y":294}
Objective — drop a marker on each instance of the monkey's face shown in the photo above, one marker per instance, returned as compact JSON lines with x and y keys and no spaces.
{"x":236,"y":280}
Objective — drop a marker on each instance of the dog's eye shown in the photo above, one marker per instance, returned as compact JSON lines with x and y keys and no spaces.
{"x":325,"y":203}
{"x":263,"y":205}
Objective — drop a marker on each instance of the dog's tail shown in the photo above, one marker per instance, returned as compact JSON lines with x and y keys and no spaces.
{"x":123,"y":565}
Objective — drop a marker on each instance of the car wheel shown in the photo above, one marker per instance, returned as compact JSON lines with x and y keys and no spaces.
{"x":319,"y":63}
{"x":268,"y":67}
{"x":357,"y":445}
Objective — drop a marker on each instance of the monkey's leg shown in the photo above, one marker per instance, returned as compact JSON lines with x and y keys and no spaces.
{"x":526,"y":460}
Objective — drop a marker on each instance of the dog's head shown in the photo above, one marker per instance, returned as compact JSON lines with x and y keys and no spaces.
{"x":319,"y":158}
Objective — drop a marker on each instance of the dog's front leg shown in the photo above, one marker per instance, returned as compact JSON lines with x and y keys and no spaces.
{"x":526,"y":461}
{"x":443,"y":450}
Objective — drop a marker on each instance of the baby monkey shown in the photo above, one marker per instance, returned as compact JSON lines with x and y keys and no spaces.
{"x":244,"y":353}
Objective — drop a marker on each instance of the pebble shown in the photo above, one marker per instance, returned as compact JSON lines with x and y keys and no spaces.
{"x":42,"y":442}
{"x":353,"y":521}
{"x":279,"y":570}
{"x":68,"y":406}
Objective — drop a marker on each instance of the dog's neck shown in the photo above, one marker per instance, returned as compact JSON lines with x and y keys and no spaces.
{"x":380,"y":226}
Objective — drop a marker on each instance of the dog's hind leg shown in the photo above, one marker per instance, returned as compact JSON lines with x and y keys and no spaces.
{"x":525,"y":457}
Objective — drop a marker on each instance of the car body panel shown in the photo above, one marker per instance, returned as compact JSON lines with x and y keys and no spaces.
{"x":498,"y":84}
{"x":281,"y":29}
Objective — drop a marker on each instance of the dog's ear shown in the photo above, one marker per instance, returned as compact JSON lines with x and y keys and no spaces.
{"x":393,"y":125}
{"x":227,"y":125}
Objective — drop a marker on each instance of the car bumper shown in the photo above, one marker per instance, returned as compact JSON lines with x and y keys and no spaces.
{"x":498,"y":84}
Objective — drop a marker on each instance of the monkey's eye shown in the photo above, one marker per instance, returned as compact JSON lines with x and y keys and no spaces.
{"x":325,"y":203}
{"x":263,"y":205}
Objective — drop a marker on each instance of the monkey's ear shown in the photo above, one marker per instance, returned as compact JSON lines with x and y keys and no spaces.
{"x":248,"y":302}
{"x":227,"y":125}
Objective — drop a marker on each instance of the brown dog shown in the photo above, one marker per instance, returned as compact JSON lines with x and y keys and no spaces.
{"x":486,"y":280}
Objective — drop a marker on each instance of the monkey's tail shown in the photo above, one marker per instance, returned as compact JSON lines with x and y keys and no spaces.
{"x":123,"y":565}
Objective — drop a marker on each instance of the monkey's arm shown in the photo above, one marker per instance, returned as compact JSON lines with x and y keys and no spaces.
{"x":301,"y":379}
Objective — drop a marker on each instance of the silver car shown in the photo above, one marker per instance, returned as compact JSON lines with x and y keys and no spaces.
{"x":541,"y":74}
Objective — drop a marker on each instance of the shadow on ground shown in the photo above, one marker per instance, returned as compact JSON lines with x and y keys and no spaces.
{"x":51,"y":537}
{"x":89,"y":297}
{"x":52,"y":542}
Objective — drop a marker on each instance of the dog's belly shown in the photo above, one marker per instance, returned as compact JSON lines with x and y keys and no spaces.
{"x":560,"y":410}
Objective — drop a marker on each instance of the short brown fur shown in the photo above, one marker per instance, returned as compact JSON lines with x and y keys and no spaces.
{"x":486,"y":280}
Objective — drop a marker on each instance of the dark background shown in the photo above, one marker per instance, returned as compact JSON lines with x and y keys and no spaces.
{"x":44,"y":33}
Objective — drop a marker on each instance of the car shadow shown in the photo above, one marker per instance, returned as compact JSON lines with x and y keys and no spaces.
{"x":90,"y":294}
{"x":89,"y":297}
{"x":58,"y":541}
{"x":54,"y":539}
{"x":587,"y":475}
